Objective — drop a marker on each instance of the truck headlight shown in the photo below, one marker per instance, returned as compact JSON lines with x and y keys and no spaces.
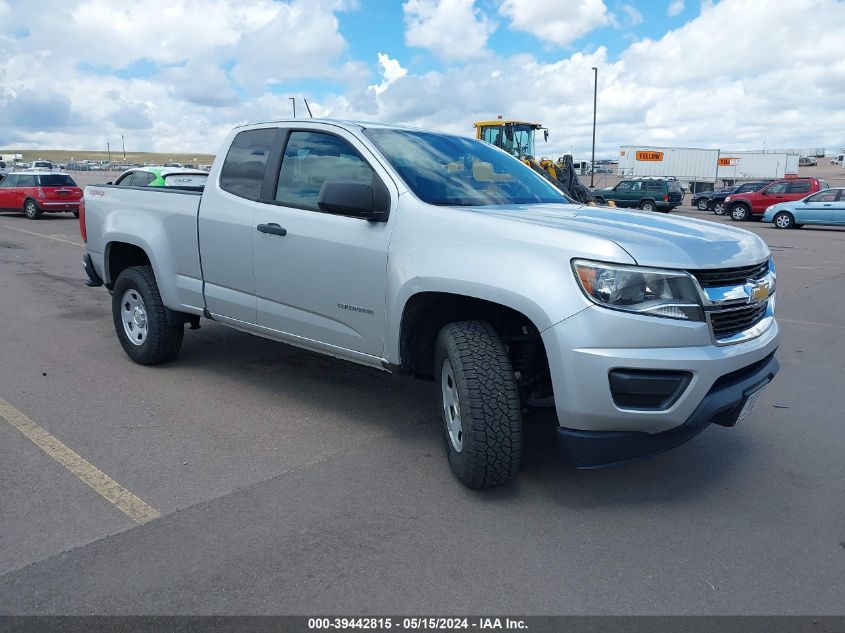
{"x":648,"y":291}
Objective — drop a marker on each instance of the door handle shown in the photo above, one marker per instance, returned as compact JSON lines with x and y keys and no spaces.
{"x":271,"y":229}
{"x":828,"y":205}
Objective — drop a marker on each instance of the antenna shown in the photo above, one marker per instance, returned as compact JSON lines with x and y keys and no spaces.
{"x":293,"y":102}
{"x":308,"y":107}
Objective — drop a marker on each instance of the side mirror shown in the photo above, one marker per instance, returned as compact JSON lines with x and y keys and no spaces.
{"x":349,"y":197}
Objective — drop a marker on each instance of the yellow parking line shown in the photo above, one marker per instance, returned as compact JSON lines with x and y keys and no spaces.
{"x":49,"y":237}
{"x":124,"y":500}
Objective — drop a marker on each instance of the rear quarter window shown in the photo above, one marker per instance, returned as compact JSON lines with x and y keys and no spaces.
{"x":243,"y":170}
{"x":801,"y":186}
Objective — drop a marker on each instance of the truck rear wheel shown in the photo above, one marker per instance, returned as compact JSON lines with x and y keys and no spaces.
{"x":140,"y":319}
{"x":479,"y":404}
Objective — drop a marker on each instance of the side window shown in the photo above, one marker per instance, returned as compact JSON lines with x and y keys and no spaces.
{"x":243,"y":170}
{"x":26,"y":181}
{"x":778,"y":187}
{"x":310,"y":159}
{"x":824,"y":196}
{"x":654,"y":186}
{"x":636,"y":186}
{"x":143,"y":178}
{"x":625,"y":185}
{"x":126,"y":180}
{"x":799,"y":186}
{"x":9,"y":181}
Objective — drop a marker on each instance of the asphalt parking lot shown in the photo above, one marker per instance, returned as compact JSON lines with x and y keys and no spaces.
{"x":282,"y":482}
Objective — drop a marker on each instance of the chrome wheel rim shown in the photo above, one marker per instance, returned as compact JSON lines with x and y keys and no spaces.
{"x":782,"y":221}
{"x":30,"y":209}
{"x":133,"y":314}
{"x":702,"y":205}
{"x":738,"y":214}
{"x":648,"y":207}
{"x":719,"y":209}
{"x":451,"y":406}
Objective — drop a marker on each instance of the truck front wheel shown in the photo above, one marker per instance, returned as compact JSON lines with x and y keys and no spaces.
{"x":140,"y":320}
{"x":478,"y":403}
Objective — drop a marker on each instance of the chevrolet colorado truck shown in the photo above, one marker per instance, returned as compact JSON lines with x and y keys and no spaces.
{"x":439,"y":256}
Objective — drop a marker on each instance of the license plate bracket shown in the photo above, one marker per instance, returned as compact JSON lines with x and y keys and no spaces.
{"x":750,"y":399}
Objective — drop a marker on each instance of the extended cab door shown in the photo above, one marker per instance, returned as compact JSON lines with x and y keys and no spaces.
{"x":320,"y":276}
{"x":225,"y":226}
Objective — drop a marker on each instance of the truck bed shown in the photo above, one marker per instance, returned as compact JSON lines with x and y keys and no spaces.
{"x":143,"y":216}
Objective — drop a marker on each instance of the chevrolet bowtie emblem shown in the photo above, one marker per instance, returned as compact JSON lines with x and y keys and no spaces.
{"x":757,"y":290}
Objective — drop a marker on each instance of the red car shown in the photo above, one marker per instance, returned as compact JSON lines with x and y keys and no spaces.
{"x":744,"y":206}
{"x":35,"y":193}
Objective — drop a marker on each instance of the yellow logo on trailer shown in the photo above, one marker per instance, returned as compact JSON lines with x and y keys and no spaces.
{"x":654,"y":157}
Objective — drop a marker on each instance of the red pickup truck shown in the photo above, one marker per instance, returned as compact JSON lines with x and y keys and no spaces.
{"x":37,"y":192}
{"x":744,"y":206}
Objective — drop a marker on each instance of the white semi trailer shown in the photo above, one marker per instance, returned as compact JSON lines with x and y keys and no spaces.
{"x":744,"y":166}
{"x":701,"y":169}
{"x":696,"y":168}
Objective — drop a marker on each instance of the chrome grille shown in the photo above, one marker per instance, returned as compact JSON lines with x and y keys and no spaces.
{"x":715,"y":277}
{"x":733,"y":321}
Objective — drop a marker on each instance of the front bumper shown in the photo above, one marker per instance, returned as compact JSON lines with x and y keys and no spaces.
{"x":722,"y":405}
{"x":584,"y":349}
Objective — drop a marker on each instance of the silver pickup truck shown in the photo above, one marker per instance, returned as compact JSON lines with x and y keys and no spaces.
{"x":440,"y":256}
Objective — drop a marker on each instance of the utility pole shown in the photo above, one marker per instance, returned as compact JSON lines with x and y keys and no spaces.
{"x":108,"y":148}
{"x":123,"y":142}
{"x":595,"y":97}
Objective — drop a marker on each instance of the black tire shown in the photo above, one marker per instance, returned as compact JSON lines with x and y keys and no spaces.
{"x":600,"y":200}
{"x":719,"y":208}
{"x":648,"y":205}
{"x":162,"y":341}
{"x":488,"y":407}
{"x":784,"y":220}
{"x":702,"y":204}
{"x":31,"y":210}
{"x":740,"y":213}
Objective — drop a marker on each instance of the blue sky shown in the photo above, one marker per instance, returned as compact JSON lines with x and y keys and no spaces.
{"x":181,"y":73}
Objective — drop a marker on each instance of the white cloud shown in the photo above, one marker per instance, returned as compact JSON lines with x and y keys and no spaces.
{"x":391,"y":72}
{"x":449,"y":29}
{"x":675,"y":8}
{"x":558,"y":23}
{"x":631,"y":17}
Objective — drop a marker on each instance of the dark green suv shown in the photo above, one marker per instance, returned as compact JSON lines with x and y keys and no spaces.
{"x":644,"y":193}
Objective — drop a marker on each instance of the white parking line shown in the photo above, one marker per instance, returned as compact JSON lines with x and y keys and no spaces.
{"x":120,"y":497}
{"x":49,"y":237}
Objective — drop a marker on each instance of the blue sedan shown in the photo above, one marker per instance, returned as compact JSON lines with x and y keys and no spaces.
{"x":824,"y":207}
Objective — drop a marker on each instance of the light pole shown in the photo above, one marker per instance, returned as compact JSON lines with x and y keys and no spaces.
{"x":595,"y":96}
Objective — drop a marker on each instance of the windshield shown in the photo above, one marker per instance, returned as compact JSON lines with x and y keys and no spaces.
{"x":451,"y":170}
{"x":56,"y":180}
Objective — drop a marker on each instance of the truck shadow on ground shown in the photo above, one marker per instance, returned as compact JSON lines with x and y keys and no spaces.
{"x":402,"y":409}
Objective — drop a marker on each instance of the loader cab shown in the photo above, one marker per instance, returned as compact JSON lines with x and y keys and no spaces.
{"x":515,"y":137}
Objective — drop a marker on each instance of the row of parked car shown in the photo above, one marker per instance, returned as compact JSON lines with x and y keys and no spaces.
{"x":787,"y":203}
{"x":34,"y":192}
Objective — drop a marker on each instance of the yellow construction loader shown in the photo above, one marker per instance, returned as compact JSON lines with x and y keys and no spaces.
{"x":517,"y":138}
